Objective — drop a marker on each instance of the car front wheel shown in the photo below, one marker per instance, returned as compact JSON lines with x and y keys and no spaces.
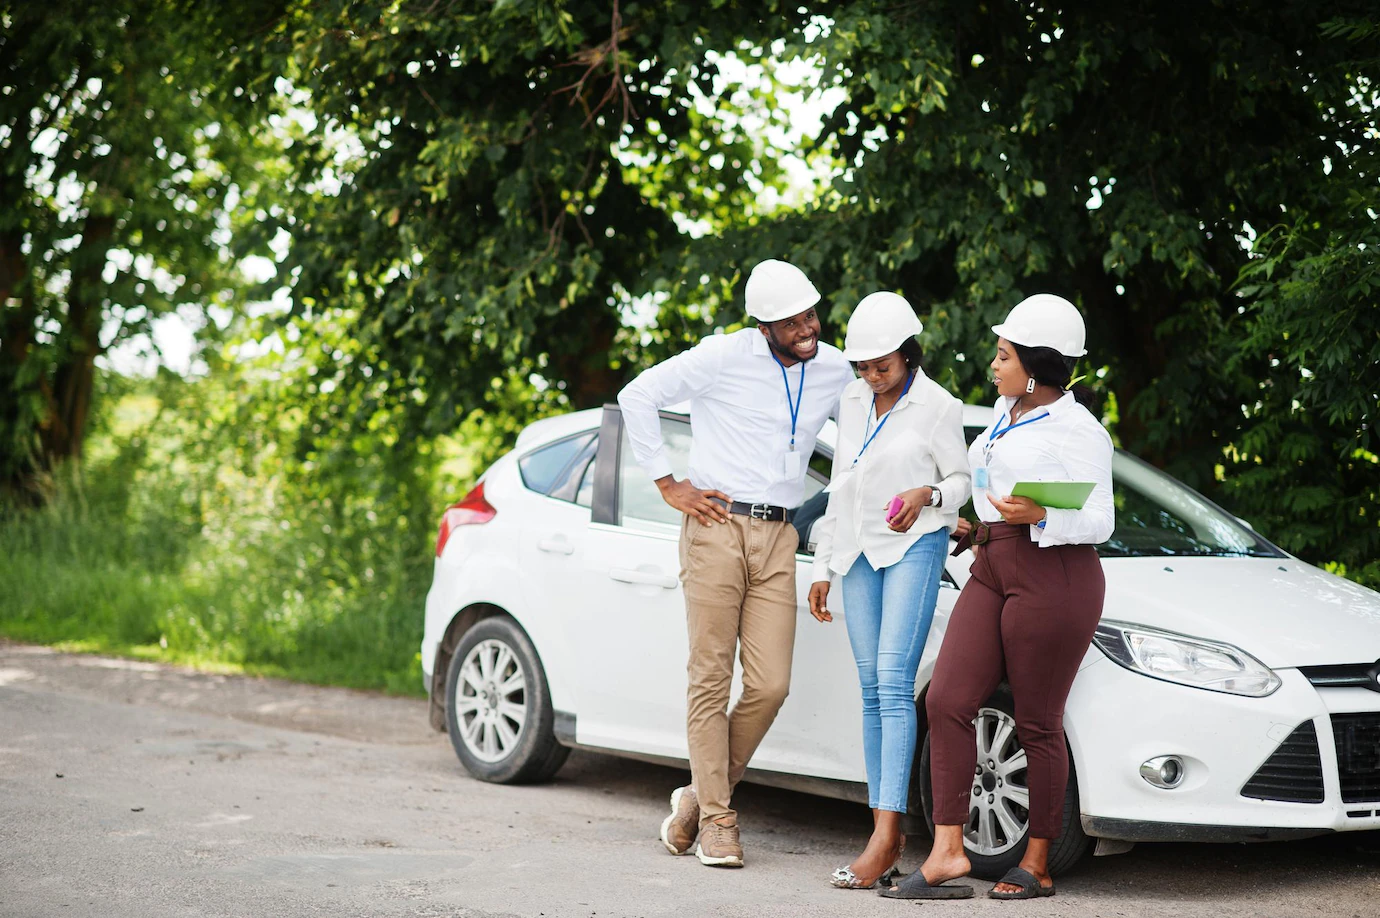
{"x":498,"y":706}
{"x":998,"y":824}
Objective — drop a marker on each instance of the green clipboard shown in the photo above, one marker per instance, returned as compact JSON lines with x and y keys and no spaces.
{"x":1061,"y":495}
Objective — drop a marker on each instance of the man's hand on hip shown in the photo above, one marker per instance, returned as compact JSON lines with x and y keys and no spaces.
{"x":690,"y":500}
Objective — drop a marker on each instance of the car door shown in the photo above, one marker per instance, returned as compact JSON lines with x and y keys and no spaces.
{"x":626,"y":631}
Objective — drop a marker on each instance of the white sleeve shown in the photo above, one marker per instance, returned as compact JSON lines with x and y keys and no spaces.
{"x":1086,"y":455}
{"x":951,"y":458}
{"x":824,"y":530}
{"x":683,"y":376}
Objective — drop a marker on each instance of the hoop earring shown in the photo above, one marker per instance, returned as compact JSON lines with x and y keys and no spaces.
{"x":1030,"y":386}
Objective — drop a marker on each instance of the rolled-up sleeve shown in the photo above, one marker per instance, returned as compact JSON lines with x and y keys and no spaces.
{"x":1086,"y":455}
{"x":681,"y":377}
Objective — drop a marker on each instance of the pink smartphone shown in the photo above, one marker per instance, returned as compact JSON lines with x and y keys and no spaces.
{"x":894,"y":507}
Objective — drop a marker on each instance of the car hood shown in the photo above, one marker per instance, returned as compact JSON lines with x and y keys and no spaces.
{"x":1280,"y":610}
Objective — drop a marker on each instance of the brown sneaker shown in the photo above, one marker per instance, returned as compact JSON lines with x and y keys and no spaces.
{"x":678,"y":830}
{"x":719,"y":846}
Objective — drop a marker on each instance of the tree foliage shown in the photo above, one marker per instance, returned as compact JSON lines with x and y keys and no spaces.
{"x":125,"y":157}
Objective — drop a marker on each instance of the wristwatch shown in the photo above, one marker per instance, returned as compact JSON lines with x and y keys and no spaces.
{"x":936,"y":496}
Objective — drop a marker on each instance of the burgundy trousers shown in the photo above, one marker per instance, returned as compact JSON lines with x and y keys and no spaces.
{"x":1027,"y":615}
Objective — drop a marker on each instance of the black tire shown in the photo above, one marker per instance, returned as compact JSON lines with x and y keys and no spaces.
{"x":1068,"y":849}
{"x":533,"y":754}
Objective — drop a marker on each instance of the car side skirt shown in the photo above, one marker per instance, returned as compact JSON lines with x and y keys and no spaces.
{"x":853,"y":791}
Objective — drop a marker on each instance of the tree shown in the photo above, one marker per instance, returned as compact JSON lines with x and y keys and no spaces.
{"x":125,"y":163}
{"x":489,"y":185}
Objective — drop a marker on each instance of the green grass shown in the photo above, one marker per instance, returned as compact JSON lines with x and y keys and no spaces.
{"x":140,"y":570}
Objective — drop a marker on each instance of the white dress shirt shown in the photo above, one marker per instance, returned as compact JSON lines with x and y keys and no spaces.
{"x":1066,"y":444}
{"x":740,"y":418}
{"x":920,"y":444}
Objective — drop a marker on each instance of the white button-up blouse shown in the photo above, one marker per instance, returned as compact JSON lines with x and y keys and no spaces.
{"x":1066,"y":443}
{"x":921,"y":444}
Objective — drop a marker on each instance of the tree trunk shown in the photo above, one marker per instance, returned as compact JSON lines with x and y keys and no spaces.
{"x":63,"y":432}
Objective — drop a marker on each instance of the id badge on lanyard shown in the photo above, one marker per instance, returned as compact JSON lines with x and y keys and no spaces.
{"x":982,"y":475}
{"x":793,"y":464}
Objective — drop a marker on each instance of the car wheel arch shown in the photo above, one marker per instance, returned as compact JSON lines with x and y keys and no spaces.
{"x":463,"y":620}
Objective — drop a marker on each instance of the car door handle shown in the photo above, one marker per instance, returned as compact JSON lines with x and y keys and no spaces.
{"x":558,"y":545}
{"x":654,"y":577}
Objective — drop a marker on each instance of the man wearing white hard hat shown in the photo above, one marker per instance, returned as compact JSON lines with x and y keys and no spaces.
{"x":1033,"y":598}
{"x":758,"y":398}
{"x":900,"y":476}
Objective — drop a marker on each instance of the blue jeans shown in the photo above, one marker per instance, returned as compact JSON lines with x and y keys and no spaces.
{"x":888,"y":613}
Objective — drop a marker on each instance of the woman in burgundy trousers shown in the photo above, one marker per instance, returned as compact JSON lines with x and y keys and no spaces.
{"x":1028,"y":612}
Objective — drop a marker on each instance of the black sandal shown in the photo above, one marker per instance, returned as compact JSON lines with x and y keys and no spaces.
{"x":1030,"y":888}
{"x":916,"y":886}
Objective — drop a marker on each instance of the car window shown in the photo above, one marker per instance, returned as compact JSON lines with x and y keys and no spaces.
{"x":584,"y":494}
{"x":544,"y":469}
{"x":638,"y":497}
{"x":1158,"y":516}
{"x":567,"y":484}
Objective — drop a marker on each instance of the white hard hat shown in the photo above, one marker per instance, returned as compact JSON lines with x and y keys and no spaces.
{"x":1045,"y":320}
{"x":881,"y":324}
{"x":777,"y":290}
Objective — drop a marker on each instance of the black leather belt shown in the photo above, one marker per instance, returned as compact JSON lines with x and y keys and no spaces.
{"x":766,"y":512}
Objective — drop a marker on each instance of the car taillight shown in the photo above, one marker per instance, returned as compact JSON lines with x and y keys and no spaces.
{"x":471,"y":510}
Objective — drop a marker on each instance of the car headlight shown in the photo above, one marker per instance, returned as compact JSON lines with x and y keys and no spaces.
{"x":1185,"y":660}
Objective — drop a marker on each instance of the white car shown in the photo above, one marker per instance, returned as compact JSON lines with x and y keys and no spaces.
{"x":1232,"y":692}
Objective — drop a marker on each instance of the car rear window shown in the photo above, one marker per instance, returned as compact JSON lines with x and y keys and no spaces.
{"x":542,"y":468}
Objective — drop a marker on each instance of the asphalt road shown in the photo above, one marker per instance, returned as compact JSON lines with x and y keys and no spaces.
{"x":141,"y":790}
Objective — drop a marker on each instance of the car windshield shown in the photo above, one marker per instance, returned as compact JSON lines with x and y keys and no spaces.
{"x":1157,"y":516}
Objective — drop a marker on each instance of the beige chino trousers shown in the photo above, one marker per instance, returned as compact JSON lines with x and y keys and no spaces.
{"x":740,"y":595}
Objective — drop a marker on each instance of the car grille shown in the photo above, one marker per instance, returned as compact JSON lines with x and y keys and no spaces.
{"x":1358,"y":755}
{"x":1294,"y":773}
{"x":1344,"y":675}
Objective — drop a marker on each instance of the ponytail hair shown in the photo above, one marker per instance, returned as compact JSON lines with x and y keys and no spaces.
{"x":1048,"y":367}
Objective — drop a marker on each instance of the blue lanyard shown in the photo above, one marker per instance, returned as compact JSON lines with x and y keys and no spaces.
{"x":799,"y":396}
{"x":999,"y":431}
{"x":872,"y":412}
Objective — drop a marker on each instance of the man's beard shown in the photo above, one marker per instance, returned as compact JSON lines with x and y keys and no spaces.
{"x":788,"y":353}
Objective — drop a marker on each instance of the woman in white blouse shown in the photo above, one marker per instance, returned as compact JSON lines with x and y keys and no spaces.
{"x":1029,"y":609}
{"x":900,"y":476}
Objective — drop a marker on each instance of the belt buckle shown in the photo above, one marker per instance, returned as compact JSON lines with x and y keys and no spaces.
{"x":981,"y":532}
{"x":759,"y":511}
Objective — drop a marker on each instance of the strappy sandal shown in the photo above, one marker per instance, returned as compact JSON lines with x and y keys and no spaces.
{"x":845,"y":878}
{"x":1030,"y":887}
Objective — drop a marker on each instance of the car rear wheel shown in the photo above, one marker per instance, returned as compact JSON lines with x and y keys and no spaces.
{"x":998,"y":824}
{"x":498,"y":706}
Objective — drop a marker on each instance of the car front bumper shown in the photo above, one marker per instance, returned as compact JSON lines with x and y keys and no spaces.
{"x":1117,"y":719}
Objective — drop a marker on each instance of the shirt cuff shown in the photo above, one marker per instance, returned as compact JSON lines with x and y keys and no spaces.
{"x":1056,"y":522}
{"x":658,"y":467}
{"x":820,"y":571}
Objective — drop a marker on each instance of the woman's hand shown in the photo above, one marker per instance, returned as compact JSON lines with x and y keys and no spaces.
{"x":962,"y":528}
{"x":1018,"y":511}
{"x":819,"y":593}
{"x":912,"y":502}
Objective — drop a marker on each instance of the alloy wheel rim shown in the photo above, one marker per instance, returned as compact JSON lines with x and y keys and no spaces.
{"x":999,"y":803}
{"x":491,"y":701}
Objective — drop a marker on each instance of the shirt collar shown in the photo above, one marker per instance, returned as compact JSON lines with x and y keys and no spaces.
{"x":1058,"y":406}
{"x":760,"y":347}
{"x":917,"y":394}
